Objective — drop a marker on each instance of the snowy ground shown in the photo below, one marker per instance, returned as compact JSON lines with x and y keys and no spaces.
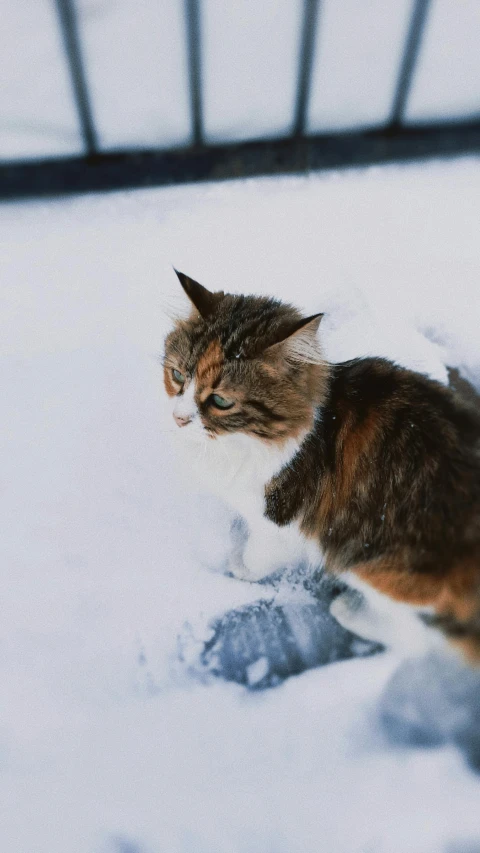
{"x":108,"y":744}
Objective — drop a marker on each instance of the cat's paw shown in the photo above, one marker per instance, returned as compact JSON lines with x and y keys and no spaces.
{"x":349,"y":611}
{"x":260,"y":558}
{"x":252,"y":566}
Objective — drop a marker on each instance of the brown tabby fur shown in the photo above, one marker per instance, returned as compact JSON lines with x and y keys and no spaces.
{"x":387,"y":479}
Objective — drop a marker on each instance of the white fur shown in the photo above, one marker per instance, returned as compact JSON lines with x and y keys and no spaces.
{"x":185,"y":405}
{"x":304,"y":348}
{"x":377,"y":617}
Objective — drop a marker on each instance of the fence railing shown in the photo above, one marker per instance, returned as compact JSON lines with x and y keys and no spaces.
{"x":297,"y":152}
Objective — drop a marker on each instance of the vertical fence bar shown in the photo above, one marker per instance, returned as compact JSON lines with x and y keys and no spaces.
{"x":68,"y":23}
{"x":307,"y":48}
{"x":192,"y":19}
{"x":409,"y":60}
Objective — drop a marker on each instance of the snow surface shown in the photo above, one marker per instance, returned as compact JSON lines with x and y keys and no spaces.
{"x":108,"y":743}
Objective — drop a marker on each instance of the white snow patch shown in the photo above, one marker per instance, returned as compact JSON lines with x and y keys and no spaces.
{"x":257,"y":670}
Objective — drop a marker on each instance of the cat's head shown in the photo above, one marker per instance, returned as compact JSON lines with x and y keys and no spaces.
{"x":243,"y":364}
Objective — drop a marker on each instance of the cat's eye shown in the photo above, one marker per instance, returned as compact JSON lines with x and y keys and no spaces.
{"x":221,"y":402}
{"x":179,"y":377}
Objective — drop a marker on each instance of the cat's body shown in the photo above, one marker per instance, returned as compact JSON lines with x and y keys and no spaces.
{"x":372,"y":468}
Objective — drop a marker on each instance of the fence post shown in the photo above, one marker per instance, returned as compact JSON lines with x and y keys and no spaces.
{"x":192,"y":19}
{"x":307,"y":47}
{"x":409,"y":60}
{"x":68,"y":23}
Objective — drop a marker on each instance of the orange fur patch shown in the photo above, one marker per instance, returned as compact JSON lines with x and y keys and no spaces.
{"x":170,"y":388}
{"x":210,"y":363}
{"x":353,"y":447}
{"x":455,"y":593}
{"x":389,"y":577}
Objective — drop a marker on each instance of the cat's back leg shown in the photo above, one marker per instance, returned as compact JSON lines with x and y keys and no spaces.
{"x":373,"y":616}
{"x":409,"y":611}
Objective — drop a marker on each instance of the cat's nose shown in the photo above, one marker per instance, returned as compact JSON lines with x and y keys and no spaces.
{"x":182,"y":420}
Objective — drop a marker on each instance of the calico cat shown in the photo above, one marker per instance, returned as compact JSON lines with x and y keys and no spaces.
{"x":368,"y":467}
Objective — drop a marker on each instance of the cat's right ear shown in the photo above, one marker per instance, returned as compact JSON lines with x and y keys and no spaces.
{"x":202,"y":299}
{"x":299,"y":343}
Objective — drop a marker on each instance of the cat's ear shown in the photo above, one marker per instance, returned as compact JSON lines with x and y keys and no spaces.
{"x":299,"y":343}
{"x":202,"y":299}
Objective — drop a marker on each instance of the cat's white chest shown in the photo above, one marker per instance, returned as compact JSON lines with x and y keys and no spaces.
{"x":236,"y":468}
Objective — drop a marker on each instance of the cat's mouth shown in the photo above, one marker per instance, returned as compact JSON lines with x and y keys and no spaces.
{"x":195,"y":435}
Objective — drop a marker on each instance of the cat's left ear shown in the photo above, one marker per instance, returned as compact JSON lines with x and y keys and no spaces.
{"x":299,"y":343}
{"x":202,"y":299}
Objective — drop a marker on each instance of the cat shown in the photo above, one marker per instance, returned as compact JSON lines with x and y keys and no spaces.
{"x":367,"y":467}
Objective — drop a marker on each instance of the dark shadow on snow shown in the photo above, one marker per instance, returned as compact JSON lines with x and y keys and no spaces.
{"x":261,"y":644}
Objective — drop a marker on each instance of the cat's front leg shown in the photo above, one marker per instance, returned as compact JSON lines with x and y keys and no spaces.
{"x":261,"y":556}
{"x":268,"y":549}
{"x":259,"y":559}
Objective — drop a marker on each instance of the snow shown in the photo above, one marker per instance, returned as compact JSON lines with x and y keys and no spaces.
{"x":258,"y":670}
{"x":109,"y":743}
{"x":432,"y":701}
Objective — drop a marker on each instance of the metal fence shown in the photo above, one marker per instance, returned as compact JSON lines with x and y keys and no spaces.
{"x":297,"y":152}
